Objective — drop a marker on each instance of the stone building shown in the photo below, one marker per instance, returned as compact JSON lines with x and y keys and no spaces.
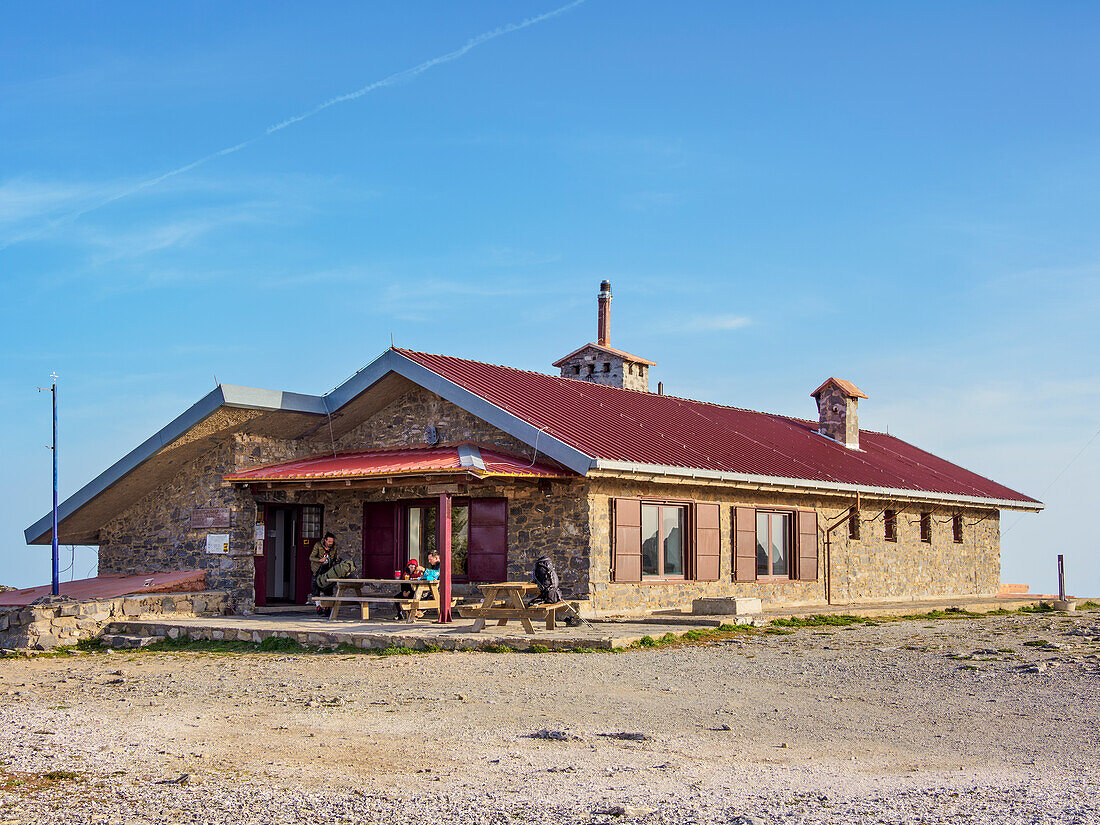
{"x":643,"y":500}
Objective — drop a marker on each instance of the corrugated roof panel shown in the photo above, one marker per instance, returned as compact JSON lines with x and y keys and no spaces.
{"x":624,"y":425}
{"x":394,"y":462}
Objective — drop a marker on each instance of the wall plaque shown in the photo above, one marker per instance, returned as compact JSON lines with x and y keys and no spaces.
{"x":210,"y":518}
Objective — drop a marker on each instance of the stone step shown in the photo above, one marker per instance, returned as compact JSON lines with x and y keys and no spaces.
{"x":123,"y":640}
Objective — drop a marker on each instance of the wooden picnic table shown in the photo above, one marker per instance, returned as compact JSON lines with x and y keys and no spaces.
{"x":504,"y":602}
{"x":425,"y":595}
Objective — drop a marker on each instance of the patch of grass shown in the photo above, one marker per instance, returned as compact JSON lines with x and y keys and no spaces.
{"x":499,"y":649}
{"x":1041,"y":607}
{"x":820,"y":620}
{"x":1035,"y":643}
{"x":777,"y":631}
{"x":537,"y":648}
{"x":1089,"y":605}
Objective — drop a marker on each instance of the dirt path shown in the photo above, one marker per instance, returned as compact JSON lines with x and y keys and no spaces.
{"x":862,"y":724}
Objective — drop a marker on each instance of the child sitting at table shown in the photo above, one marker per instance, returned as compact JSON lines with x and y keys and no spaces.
{"x":413,"y":570}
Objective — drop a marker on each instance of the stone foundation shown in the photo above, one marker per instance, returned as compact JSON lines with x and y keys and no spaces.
{"x":49,"y":625}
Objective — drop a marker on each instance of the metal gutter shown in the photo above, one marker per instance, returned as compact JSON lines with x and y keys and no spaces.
{"x":806,"y":484}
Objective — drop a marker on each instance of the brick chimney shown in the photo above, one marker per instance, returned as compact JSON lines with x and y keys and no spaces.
{"x":603,"y":322}
{"x":837,"y":410}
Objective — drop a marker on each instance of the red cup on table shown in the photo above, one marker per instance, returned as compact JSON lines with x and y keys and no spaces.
{"x":397,"y":574}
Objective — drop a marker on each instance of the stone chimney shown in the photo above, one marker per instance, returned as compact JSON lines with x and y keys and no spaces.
{"x":603,"y":321}
{"x":599,"y":363}
{"x":838,"y":413}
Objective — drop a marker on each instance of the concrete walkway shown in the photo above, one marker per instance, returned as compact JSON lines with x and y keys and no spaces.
{"x":320,"y":631}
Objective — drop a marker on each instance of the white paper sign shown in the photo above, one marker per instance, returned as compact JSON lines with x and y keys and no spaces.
{"x":217,"y":542}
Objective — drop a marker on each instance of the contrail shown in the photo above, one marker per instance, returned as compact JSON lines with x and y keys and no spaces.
{"x":397,"y":77}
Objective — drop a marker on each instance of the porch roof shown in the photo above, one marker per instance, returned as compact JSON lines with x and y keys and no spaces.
{"x":470,"y":459}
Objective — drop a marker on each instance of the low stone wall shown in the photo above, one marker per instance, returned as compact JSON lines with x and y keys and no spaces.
{"x":49,"y":625}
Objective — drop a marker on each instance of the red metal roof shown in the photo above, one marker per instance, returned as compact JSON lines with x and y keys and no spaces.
{"x":406,"y":461}
{"x":110,"y":586}
{"x":629,"y":426}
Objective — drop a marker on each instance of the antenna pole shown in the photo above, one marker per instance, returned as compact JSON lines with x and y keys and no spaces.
{"x":56,"y":565}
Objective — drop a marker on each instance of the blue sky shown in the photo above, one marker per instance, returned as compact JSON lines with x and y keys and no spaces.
{"x":904,"y":195}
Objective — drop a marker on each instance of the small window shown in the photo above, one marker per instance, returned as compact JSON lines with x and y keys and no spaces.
{"x":926,"y":527}
{"x":773,"y":543}
{"x":576,"y":369}
{"x":891,"y":525}
{"x":957,"y":528}
{"x":853,"y":523}
{"x":311,"y":521}
{"x":607,"y":366}
{"x":663,"y":540}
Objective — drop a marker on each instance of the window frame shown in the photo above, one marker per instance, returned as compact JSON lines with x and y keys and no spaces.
{"x":791,"y":574}
{"x":957,"y":528}
{"x":890,"y":525}
{"x":405,"y":505}
{"x":687,"y":546}
{"x":853,"y":523}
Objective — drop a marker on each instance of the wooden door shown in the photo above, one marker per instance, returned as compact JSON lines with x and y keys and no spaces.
{"x":267,"y":515}
{"x":309,"y":531}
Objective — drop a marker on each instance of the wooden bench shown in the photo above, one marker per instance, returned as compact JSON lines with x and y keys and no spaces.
{"x":504,"y":602}
{"x":350,"y":591}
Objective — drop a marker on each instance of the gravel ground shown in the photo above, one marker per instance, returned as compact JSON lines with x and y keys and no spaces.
{"x":991,"y":720}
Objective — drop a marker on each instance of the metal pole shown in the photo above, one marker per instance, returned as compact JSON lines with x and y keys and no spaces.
{"x":1061,"y":579}
{"x":56,"y":564}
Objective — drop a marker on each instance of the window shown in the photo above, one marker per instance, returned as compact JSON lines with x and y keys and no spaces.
{"x":607,"y":366}
{"x":663,"y":540}
{"x":853,"y":523}
{"x":926,"y":527}
{"x":957,"y":528}
{"x":576,"y":369}
{"x":890,"y":519}
{"x":422,"y":530}
{"x":311,"y":521}
{"x":773,"y":543}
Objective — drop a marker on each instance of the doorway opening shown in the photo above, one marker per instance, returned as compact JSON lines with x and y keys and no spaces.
{"x":283,"y":573}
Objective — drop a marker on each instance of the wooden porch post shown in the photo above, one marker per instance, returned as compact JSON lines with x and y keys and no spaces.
{"x":444,"y":544}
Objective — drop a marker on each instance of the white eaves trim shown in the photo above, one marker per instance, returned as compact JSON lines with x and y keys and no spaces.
{"x":809,"y":485}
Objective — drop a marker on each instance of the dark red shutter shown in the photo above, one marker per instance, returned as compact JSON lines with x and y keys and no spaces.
{"x":707,"y":543}
{"x":488,"y":548}
{"x":807,"y":545}
{"x":744,"y":544}
{"x":380,"y":558}
{"x":626,"y":563}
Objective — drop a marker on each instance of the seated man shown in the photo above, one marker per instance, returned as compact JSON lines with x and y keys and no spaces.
{"x":431,"y":573}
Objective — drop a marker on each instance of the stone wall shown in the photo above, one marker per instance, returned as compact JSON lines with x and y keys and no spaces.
{"x":873,"y":569}
{"x":404,"y":422}
{"x":864,"y":570}
{"x":49,"y":625}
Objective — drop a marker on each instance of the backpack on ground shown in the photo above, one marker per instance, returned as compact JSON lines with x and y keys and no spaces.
{"x":546,"y":577}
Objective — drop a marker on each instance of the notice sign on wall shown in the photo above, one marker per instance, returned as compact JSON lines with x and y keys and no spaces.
{"x":217,"y":542}
{"x":258,"y":540}
{"x":210,"y":518}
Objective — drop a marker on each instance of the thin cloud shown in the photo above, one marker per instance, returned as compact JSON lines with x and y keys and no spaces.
{"x":391,"y":80}
{"x":720,"y":322}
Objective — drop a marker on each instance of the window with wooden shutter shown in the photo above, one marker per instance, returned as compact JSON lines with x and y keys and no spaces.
{"x":380,"y":540}
{"x":744,"y":544}
{"x":707,"y":550}
{"x":626,"y":538}
{"x":487,"y":559}
{"x":807,"y":545}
